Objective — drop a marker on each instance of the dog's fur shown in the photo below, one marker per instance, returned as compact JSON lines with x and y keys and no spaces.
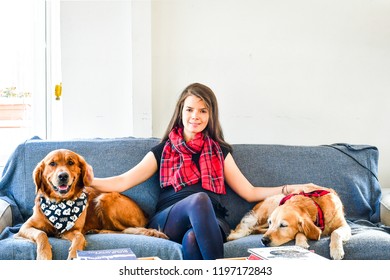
{"x":62,"y":176}
{"x":295,"y":219}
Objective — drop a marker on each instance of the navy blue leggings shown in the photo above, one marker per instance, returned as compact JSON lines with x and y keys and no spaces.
{"x":192,"y":222}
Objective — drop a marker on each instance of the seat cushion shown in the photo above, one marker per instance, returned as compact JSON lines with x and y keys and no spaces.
{"x":142,"y":246}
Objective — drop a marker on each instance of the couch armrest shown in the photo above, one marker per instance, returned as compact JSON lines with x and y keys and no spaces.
{"x":5,"y":215}
{"x":385,"y":207}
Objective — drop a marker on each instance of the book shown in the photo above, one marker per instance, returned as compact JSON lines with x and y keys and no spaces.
{"x":149,"y":259}
{"x":283,"y":253}
{"x":253,"y":257}
{"x":109,"y":254}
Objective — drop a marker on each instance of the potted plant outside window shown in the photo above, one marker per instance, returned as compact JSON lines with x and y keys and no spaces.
{"x":14,"y":105}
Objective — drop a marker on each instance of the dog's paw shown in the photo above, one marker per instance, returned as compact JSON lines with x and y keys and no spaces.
{"x":72,"y":256}
{"x":234,"y":235}
{"x":237,"y":234}
{"x":304,"y":245}
{"x":338,"y":236}
{"x":44,"y":251}
{"x":337,"y":253}
{"x":301,"y":240}
{"x":44,"y":254}
{"x":159,"y":234}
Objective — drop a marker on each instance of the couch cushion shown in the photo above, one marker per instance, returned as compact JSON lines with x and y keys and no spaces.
{"x":142,"y":246}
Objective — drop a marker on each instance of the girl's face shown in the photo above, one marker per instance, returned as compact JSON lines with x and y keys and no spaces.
{"x":195,"y":117}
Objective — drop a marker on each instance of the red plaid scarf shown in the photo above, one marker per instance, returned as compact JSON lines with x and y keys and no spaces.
{"x":320,"y":222}
{"x":178,"y":170}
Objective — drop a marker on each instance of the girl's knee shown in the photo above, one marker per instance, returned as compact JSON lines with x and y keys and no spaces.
{"x":189,"y":237}
{"x":190,"y":247}
{"x":199,"y":199}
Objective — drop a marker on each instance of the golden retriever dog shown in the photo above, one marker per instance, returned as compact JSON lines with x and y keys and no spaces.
{"x":299,"y":216}
{"x":66,"y":207}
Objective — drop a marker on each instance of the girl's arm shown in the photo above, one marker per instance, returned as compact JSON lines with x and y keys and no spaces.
{"x":135,"y":176}
{"x":240,"y":184}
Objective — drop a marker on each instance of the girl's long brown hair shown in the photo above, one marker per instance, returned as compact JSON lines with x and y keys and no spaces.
{"x":213,"y":128}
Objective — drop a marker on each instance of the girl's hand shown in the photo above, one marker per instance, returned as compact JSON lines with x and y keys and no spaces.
{"x":89,"y":176}
{"x":301,"y":187}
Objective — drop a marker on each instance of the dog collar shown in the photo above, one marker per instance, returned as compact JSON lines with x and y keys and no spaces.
{"x":320,"y":221}
{"x":63,"y":214}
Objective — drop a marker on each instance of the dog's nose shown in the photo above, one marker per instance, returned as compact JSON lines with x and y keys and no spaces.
{"x":63,"y":176}
{"x":266,"y":240}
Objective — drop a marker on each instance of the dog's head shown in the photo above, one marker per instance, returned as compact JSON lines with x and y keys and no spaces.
{"x":62,"y":174}
{"x":289,"y":219}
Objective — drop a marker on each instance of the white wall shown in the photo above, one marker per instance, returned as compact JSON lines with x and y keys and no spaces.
{"x":106,"y":68}
{"x":299,"y":72}
{"x":303,"y":72}
{"x":142,"y":68}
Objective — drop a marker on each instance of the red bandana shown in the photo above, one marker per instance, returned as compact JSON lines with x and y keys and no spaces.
{"x":320,"y":222}
{"x":178,"y":169}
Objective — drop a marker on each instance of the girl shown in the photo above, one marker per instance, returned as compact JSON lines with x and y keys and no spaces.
{"x":195,"y":165}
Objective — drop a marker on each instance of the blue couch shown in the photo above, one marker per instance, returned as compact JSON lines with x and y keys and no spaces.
{"x":350,"y":169}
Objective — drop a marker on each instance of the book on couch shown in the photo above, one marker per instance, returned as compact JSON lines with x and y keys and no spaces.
{"x":109,"y":254}
{"x":283,"y":253}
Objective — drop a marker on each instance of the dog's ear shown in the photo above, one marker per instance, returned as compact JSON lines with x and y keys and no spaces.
{"x":309,"y":229}
{"x":37,"y":175}
{"x":85,"y":172}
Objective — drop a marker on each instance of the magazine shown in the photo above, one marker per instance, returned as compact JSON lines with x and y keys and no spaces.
{"x":109,"y":254}
{"x":283,"y":252}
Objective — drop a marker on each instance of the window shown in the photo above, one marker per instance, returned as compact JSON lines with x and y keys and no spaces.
{"x":22,"y":72}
